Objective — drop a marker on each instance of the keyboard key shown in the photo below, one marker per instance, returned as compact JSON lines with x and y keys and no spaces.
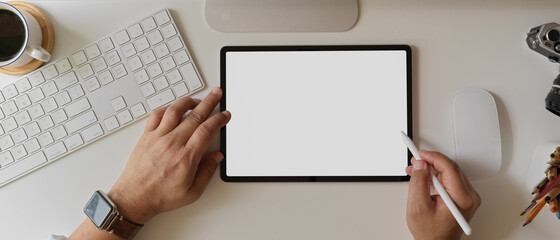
{"x":1,"y":116}
{"x":106,"y":45}
{"x":106,"y":78}
{"x":148,"y":57}
{"x":55,"y":150}
{"x":174,"y":76}
{"x":6,"y":142}
{"x":79,"y":58}
{"x":66,"y":80}
{"x":49,"y":105}
{"x":32,"y":145}
{"x":141,"y":44}
{"x":168,"y":31}
{"x":2,"y":99}
{"x":22,"y":166}
{"x":19,"y":135}
{"x":58,"y":132}
{"x":80,"y":122}
{"x":122,"y":37}
{"x":76,"y":92}
{"x":99,"y":64}
{"x":10,"y":91}
{"x":85,"y":71}
{"x":111,"y":123}
{"x":9,"y":124}
{"x":168,"y":64}
{"x":74,"y":141}
{"x":36,"y":111}
{"x":18,"y":152}
{"x":160,"y":99}
{"x":113,"y":58}
{"x":36,"y":95}
{"x":50,"y":72}
{"x":23,"y":101}
{"x":63,"y":65}
{"x":36,"y":79}
{"x":45,"y":122}
{"x":22,"y":118}
{"x":62,"y":98}
{"x":154,"y":70}
{"x":135,"y":63}
{"x":92,"y":84}
{"x":135,"y":30}
{"x":193,"y":81}
{"x":155,"y":37}
{"x":118,"y":103}
{"x":92,"y":132}
{"x":181,"y":57}
{"x":128,"y":50}
{"x":23,"y":85}
{"x":149,"y":24}
{"x":32,"y":129}
{"x":77,"y":107}
{"x":175,"y":44}
{"x":59,"y":116}
{"x":45,"y":139}
{"x":119,"y":71}
{"x":161,"y":83}
{"x":180,"y":90}
{"x":141,"y":76}
{"x":138,"y":110}
{"x":6,"y":158}
{"x":147,"y":89}
{"x":162,"y":18}
{"x":161,"y":50}
{"x":49,"y":88}
{"x":124,"y":116}
{"x":9,"y":108}
{"x":93,"y":51}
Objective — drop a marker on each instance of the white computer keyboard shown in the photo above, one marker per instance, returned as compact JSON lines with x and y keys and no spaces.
{"x":101,"y":88}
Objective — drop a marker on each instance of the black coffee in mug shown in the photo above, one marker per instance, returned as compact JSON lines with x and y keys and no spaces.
{"x":12,"y":35}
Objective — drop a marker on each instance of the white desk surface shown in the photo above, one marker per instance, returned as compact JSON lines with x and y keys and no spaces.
{"x":456,"y":45}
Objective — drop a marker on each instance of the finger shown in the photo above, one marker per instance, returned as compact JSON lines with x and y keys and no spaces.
{"x":200,"y":140}
{"x":408,"y":170}
{"x":199,"y":114}
{"x":419,"y":188}
{"x":155,"y":119}
{"x":174,"y":114}
{"x":206,"y":170}
{"x":451,"y":177}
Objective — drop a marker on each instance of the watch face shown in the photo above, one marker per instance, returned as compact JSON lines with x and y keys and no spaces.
{"x":98,"y":209}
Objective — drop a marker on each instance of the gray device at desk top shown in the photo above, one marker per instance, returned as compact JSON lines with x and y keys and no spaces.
{"x":281,"y":15}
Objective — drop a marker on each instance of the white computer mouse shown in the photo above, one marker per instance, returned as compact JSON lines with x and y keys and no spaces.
{"x":478,"y":145}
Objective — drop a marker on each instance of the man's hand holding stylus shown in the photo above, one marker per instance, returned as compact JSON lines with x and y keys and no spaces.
{"x":427,"y":216}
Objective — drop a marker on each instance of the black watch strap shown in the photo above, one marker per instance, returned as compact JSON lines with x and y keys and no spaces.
{"x":123,"y":227}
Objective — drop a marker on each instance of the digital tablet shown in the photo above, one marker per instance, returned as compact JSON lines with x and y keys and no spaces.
{"x":316,"y":113}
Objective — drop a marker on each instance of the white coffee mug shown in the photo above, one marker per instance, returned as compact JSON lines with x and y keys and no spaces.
{"x":33,"y":38}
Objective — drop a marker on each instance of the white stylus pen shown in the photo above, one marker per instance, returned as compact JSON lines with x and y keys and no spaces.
{"x":437,"y":185}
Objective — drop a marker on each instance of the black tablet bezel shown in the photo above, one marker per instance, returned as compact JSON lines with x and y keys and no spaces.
{"x":223,"y":107}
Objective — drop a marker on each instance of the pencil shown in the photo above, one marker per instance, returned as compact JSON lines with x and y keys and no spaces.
{"x":553,"y":205}
{"x":545,"y":190}
{"x":442,"y":193}
{"x":534,"y":213}
{"x":531,"y":205}
{"x":540,"y":186}
{"x":552,"y":194}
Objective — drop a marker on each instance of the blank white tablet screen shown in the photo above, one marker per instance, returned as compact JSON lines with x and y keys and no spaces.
{"x":316,"y":113}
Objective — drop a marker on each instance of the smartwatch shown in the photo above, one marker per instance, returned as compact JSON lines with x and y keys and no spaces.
{"x":105,"y":216}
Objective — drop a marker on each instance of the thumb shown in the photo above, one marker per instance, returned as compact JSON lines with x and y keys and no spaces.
{"x":419,"y":186}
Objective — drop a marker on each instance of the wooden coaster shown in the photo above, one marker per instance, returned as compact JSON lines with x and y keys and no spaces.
{"x":48,"y":38}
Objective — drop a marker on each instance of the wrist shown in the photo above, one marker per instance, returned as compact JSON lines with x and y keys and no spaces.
{"x":129,"y":209}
